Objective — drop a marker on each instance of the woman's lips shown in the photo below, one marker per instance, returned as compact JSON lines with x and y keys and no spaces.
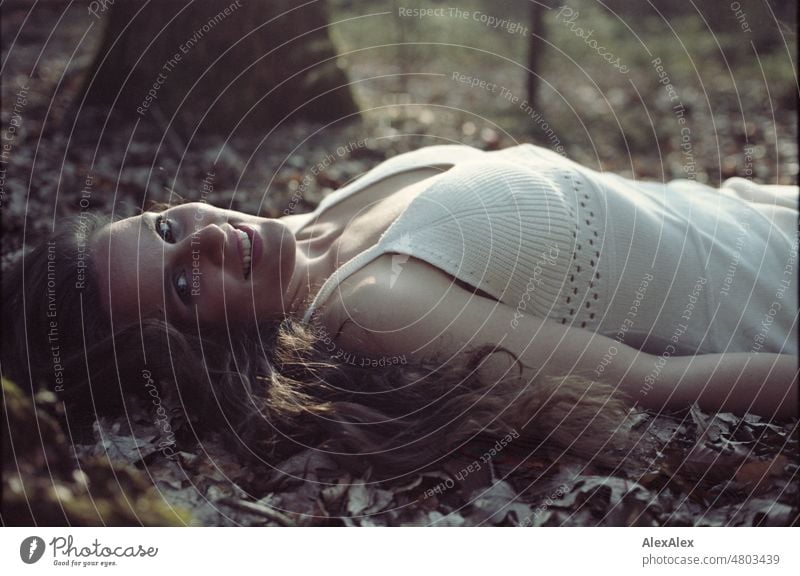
{"x":256,"y":244}
{"x":241,"y":240}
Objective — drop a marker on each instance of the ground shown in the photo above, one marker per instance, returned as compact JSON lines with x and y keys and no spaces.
{"x":690,"y":469}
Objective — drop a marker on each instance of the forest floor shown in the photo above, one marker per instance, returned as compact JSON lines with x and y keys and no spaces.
{"x":693,"y":468}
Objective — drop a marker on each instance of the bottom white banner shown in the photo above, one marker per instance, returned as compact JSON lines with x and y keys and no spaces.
{"x":119,"y":551}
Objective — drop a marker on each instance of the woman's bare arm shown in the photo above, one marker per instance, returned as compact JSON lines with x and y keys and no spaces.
{"x":739,"y":382}
{"x":420,"y":312}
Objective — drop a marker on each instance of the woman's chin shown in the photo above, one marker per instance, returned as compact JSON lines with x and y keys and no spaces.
{"x":271,"y":276}
{"x":285,"y":240}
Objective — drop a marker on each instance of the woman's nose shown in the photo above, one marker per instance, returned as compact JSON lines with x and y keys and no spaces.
{"x":207,"y":244}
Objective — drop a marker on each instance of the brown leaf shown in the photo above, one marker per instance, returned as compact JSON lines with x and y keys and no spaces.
{"x":757,"y":475}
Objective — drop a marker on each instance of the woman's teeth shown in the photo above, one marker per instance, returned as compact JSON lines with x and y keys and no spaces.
{"x":246,"y":249}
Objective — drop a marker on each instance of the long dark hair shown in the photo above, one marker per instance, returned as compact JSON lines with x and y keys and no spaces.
{"x":277,"y":389}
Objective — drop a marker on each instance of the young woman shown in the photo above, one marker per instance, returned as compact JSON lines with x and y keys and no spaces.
{"x":448,"y":293}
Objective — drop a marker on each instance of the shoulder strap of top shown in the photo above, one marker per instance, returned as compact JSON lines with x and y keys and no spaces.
{"x":427,"y":156}
{"x":444,"y":154}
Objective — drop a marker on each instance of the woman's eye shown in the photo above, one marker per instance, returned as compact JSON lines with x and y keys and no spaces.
{"x":182,"y":288}
{"x":164,"y":229}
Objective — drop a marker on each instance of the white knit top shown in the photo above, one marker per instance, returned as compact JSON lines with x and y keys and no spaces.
{"x":673,"y":269}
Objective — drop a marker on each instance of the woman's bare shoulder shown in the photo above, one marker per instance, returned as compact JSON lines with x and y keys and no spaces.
{"x":398,"y":303}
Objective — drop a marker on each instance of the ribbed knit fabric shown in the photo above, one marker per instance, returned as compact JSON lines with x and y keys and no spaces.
{"x":673,"y":269}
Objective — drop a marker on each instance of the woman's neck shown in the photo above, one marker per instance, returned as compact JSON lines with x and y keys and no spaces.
{"x":310,"y":272}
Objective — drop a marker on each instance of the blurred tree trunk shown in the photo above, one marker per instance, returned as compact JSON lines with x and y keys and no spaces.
{"x":535,"y":48}
{"x":276,"y":62}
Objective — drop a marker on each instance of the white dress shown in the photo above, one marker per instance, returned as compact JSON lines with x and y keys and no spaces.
{"x":673,"y":269}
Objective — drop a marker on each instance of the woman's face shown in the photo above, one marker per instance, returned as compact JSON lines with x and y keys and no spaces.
{"x":191,"y":264}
